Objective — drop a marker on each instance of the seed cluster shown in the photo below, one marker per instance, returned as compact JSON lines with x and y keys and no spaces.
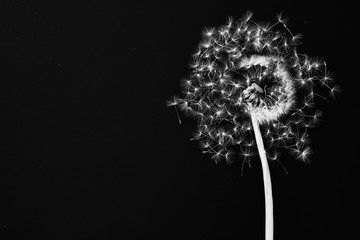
{"x":244,"y":68}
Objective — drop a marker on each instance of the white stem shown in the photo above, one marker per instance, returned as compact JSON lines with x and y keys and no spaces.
{"x":269,"y":218}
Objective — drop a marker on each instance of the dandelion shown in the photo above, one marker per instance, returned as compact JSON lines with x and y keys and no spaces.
{"x":248,"y":82}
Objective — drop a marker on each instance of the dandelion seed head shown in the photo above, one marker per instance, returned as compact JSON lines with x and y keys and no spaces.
{"x":244,"y":69}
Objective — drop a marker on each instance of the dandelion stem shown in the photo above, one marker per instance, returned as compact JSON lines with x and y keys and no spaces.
{"x":269,"y":218}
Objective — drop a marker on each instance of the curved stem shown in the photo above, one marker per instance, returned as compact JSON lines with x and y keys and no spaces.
{"x":269,"y":218}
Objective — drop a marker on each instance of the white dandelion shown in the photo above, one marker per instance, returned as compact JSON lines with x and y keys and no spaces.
{"x":248,"y":82}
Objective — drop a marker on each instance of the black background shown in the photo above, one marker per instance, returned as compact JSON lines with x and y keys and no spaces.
{"x":89,"y":149}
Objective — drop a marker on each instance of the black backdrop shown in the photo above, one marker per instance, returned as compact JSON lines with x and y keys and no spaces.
{"x":89,"y":149}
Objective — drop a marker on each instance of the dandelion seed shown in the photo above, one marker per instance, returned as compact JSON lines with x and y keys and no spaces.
{"x":334,"y":91}
{"x":304,"y":155}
